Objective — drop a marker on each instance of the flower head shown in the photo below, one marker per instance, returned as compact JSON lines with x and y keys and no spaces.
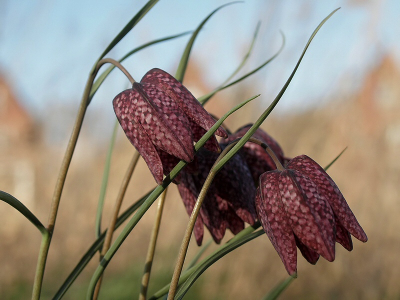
{"x":302,"y":206}
{"x":256,"y":157}
{"x":228,"y":203}
{"x":162,"y":119}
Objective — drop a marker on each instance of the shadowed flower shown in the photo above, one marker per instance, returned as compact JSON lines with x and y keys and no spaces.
{"x":256,"y":157}
{"x":162,"y":119}
{"x":301,"y":205}
{"x":228,"y":203}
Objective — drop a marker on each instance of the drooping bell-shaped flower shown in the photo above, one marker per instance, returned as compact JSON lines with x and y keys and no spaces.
{"x":229,"y":200}
{"x":301,"y":205}
{"x":162,"y":119}
{"x":256,"y":157}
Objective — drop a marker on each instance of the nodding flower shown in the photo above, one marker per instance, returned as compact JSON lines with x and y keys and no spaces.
{"x":301,"y":205}
{"x":162,"y":119}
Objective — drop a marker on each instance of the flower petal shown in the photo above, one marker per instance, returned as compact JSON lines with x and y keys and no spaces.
{"x":188,"y":193}
{"x":343,"y":237}
{"x":164,"y":128}
{"x":233,"y":222}
{"x":186,"y":101}
{"x":135,"y":133}
{"x":275,"y":221}
{"x":310,"y":255}
{"x":212,"y":217}
{"x":332,"y":193}
{"x":309,"y":213}
{"x":236,"y":186}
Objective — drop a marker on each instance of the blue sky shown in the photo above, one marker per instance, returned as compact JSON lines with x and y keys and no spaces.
{"x":47,"y":48}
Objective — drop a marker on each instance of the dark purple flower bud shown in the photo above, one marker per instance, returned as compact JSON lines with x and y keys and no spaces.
{"x":298,"y":206}
{"x":159,"y":115}
{"x":256,"y":157}
{"x":228,"y":203}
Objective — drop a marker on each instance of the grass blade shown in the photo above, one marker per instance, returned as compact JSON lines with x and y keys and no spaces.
{"x":103,"y":76}
{"x":266,"y":113}
{"x":335,"y":159}
{"x":227,"y":248}
{"x":199,"y":254}
{"x":104,"y":181}
{"x":207,"y":97}
{"x":180,"y":72}
{"x":128,"y":27}
{"x":96,"y":246}
{"x":278,"y":289}
{"x":19,"y":206}
{"x":186,"y":274}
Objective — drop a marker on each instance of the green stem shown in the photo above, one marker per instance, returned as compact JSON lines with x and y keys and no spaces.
{"x":186,"y":274}
{"x":114,"y":217}
{"x":189,"y":229}
{"x":152,"y":247}
{"x":44,"y":248}
{"x":270,"y":152}
{"x":41,"y":264}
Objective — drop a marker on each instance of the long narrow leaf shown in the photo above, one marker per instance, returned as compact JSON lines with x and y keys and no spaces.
{"x":96,"y":246}
{"x":207,"y":97}
{"x":246,"y":57}
{"x":187,"y":273}
{"x":150,"y":200}
{"x":335,"y":159}
{"x":278,"y":289}
{"x":199,"y":254}
{"x":100,"y":79}
{"x":266,"y":113}
{"x":128,"y":27}
{"x":19,"y":206}
{"x":180,"y":72}
{"x":104,"y":181}
{"x":214,"y":258}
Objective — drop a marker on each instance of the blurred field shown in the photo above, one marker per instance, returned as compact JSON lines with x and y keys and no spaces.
{"x":368,"y":174}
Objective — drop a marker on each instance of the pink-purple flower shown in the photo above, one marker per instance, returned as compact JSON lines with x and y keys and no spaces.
{"x":302,"y":206}
{"x":162,"y":119}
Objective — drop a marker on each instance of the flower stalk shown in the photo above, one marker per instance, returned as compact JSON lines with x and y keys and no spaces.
{"x":114,"y":217}
{"x":152,"y":247}
{"x":189,"y":228}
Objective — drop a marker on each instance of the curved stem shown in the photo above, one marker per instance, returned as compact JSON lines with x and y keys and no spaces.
{"x":44,"y":249}
{"x":114,"y":217}
{"x":269,"y":151}
{"x":119,"y":66}
{"x":189,"y":228}
{"x":152,"y":247}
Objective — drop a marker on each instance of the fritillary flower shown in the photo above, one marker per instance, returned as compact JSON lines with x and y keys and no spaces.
{"x":301,"y":205}
{"x":162,"y":119}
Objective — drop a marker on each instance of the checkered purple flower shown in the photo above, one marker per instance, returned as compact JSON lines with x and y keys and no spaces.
{"x":162,"y":119}
{"x":302,"y":206}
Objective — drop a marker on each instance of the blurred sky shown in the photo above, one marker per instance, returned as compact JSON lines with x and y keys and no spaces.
{"x":47,"y":48}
